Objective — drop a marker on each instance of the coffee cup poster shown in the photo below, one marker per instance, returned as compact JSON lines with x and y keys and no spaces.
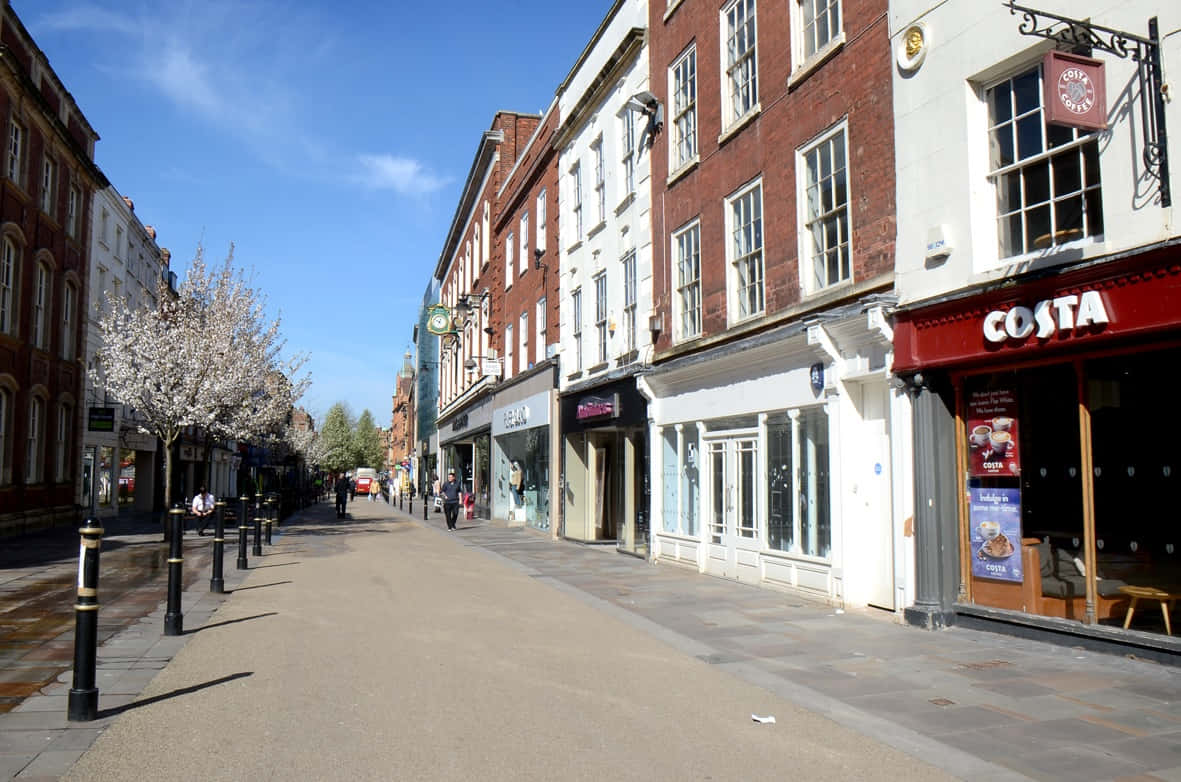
{"x":995,"y":516}
{"x":992,"y":434}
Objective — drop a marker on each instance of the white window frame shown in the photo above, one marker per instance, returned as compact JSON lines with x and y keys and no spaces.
{"x":508,"y":351}
{"x":17,"y":139}
{"x":740,"y":62}
{"x":48,"y":184}
{"x":72,"y":204}
{"x":508,"y":260}
{"x":811,"y":42}
{"x":682,"y":86}
{"x":9,"y":262}
{"x":812,"y":225}
{"x":523,"y":334}
{"x":69,"y":309}
{"x":745,"y":252}
{"x":1078,"y":146}
{"x":540,"y":320}
{"x":629,"y":301}
{"x":600,"y":180}
{"x":524,"y":229}
{"x":576,"y":326}
{"x":576,"y":199}
{"x":600,"y":281}
{"x":42,"y":279}
{"x":541,"y":220}
{"x":62,"y":445}
{"x":627,"y":144}
{"x":486,"y":232}
{"x":686,"y":244}
{"x":35,"y":439}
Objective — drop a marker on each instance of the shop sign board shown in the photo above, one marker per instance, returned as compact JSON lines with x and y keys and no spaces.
{"x":522,"y":414}
{"x":1061,"y":315}
{"x":598,"y":407}
{"x":101,"y":419}
{"x":1075,"y":91}
{"x":995,"y":518}
{"x":992,"y":433}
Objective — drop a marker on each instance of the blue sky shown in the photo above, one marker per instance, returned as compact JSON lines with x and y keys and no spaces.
{"x":327,"y":141}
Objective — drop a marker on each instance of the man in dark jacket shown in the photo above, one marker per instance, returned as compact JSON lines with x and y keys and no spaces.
{"x":450,"y":491}
{"x":342,"y":495}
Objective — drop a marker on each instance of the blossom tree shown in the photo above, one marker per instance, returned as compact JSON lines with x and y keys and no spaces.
{"x":206,"y":357}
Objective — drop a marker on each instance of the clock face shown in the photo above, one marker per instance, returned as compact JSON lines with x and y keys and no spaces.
{"x":439,"y":323}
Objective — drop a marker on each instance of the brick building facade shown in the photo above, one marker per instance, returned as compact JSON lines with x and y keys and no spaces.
{"x":46,"y":189}
{"x":779,"y":449}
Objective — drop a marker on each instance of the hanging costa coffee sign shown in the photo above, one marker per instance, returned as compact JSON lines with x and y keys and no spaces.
{"x":1075,"y":91}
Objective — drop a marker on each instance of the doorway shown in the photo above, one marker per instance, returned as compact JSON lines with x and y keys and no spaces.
{"x":874,"y":496}
{"x":734,"y":532}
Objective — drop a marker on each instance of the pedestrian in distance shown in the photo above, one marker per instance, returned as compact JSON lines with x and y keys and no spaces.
{"x":374,"y":489}
{"x":203,"y":509}
{"x":342,"y":494}
{"x":450,"y":491}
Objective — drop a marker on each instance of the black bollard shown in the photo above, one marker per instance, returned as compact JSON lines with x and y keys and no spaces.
{"x":243,"y":528}
{"x":425,"y":505}
{"x":411,"y":509}
{"x":401,"y":499}
{"x":83,"y":701}
{"x":258,"y":511}
{"x":217,"y":582}
{"x":269,"y":518}
{"x":174,"y":620}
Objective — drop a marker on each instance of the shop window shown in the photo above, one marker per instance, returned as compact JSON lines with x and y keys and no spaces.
{"x":1041,"y":565}
{"x":669,"y":475}
{"x":690,"y":480}
{"x":780,"y":494}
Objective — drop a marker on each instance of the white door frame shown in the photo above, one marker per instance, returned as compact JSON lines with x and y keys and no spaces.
{"x":732,"y":548}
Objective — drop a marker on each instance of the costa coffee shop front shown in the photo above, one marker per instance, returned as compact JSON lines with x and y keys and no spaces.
{"x":1050,"y":405}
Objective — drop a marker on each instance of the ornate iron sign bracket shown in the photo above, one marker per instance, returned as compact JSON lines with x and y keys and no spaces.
{"x":1145,"y":52}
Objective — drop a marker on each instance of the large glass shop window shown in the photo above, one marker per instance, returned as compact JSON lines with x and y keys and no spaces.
{"x":669,"y":478}
{"x":1026,"y":543}
{"x":690,"y":478}
{"x":798,"y":510}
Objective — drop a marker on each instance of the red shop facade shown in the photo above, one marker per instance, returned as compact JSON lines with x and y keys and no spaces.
{"x":1048,"y":454}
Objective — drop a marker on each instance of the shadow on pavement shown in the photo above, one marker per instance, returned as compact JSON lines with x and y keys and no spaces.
{"x":114,"y":712}
{"x":277,"y":564}
{"x":257,"y":586}
{"x":229,"y":622}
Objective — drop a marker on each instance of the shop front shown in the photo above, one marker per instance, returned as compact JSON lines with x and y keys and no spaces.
{"x":1048,"y":403}
{"x":465,"y":442}
{"x":521,"y":449}
{"x":605,"y":462}
{"x":781,"y":460}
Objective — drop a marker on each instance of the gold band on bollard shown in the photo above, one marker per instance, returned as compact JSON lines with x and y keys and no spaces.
{"x":178,"y":559}
{"x":80,"y":607}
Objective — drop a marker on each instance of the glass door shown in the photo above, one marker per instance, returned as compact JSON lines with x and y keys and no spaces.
{"x":734,"y":538}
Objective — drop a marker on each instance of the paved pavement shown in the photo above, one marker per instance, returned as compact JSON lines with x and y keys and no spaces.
{"x":385,"y":647}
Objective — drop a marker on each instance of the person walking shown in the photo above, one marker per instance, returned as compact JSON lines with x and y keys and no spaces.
{"x":342,"y":494}
{"x":203,"y":509}
{"x":450,"y":492}
{"x":374,"y":489}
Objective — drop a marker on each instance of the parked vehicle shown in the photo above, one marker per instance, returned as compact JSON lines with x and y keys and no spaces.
{"x":364,"y":476}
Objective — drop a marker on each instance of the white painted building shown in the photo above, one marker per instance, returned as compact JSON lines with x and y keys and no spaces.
{"x":119,"y":465}
{"x":1037,"y":269}
{"x":607,"y":120}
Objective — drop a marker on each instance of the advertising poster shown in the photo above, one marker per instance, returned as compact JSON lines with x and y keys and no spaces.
{"x":995,"y":517}
{"x":992,"y":434}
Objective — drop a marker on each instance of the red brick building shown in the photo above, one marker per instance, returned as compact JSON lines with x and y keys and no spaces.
{"x":470,"y":273}
{"x":773,"y":236}
{"x":525,"y":300}
{"x":46,"y":188}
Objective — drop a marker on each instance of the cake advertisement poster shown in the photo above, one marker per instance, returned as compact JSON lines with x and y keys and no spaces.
{"x":995,"y":517}
{"x":992,"y":434}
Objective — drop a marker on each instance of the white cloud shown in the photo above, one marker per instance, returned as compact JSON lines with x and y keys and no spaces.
{"x":90,"y":18}
{"x":402,"y":175}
